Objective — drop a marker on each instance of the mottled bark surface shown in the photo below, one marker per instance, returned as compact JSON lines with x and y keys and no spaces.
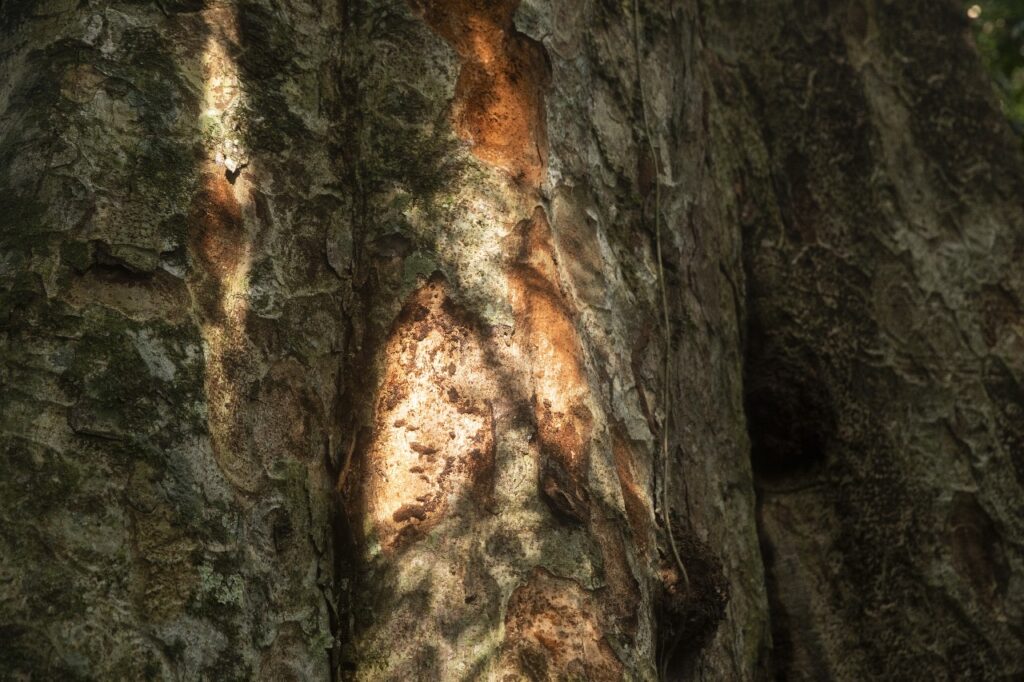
{"x":883,"y":236}
{"x":172,"y":335}
{"x":332,"y":342}
{"x":501,"y":500}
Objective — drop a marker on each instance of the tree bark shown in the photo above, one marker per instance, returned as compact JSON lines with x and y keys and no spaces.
{"x":883,"y":236}
{"x":450,"y":339}
{"x":172,"y":340}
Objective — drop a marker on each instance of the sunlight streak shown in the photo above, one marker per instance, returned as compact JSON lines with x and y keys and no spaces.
{"x":222,"y":248}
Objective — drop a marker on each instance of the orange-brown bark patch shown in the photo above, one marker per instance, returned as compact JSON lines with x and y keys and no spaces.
{"x":217,"y":242}
{"x":220,"y":250}
{"x":547,"y":336}
{"x":499,"y":96}
{"x":433,"y":434}
{"x":216,"y":225}
{"x":554,"y":630}
{"x":637,"y":510}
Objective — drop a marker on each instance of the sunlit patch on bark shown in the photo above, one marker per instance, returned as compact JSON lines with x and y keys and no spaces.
{"x":221,"y":250}
{"x":223,"y":97}
{"x":567,"y":417}
{"x":433,"y":433}
{"x":555,"y":630}
{"x":547,"y":335}
{"x":491,"y":427}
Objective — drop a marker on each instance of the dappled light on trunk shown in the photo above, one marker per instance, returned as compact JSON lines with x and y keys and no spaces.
{"x":501,"y":340}
{"x":220,"y":242}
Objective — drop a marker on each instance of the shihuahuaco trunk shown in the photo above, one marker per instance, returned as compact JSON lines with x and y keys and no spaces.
{"x":488,"y":339}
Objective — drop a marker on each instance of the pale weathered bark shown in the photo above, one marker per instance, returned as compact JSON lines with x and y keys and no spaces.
{"x":333,"y":342}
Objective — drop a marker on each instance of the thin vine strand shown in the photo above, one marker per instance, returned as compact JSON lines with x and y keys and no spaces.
{"x":665,"y":399}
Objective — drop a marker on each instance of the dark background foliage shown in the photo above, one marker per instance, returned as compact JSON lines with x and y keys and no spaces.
{"x":999,"y":31}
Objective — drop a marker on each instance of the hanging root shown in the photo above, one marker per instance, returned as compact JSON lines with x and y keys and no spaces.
{"x":665,"y":396}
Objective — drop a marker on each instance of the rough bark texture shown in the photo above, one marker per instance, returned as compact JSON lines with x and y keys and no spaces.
{"x":883,"y":236}
{"x":332,"y":342}
{"x":501,"y":499}
{"x":172,"y":336}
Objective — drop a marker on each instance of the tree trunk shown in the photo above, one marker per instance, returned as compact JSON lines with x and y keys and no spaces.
{"x":450,"y":339}
{"x":173,"y":339}
{"x":883,"y":237}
